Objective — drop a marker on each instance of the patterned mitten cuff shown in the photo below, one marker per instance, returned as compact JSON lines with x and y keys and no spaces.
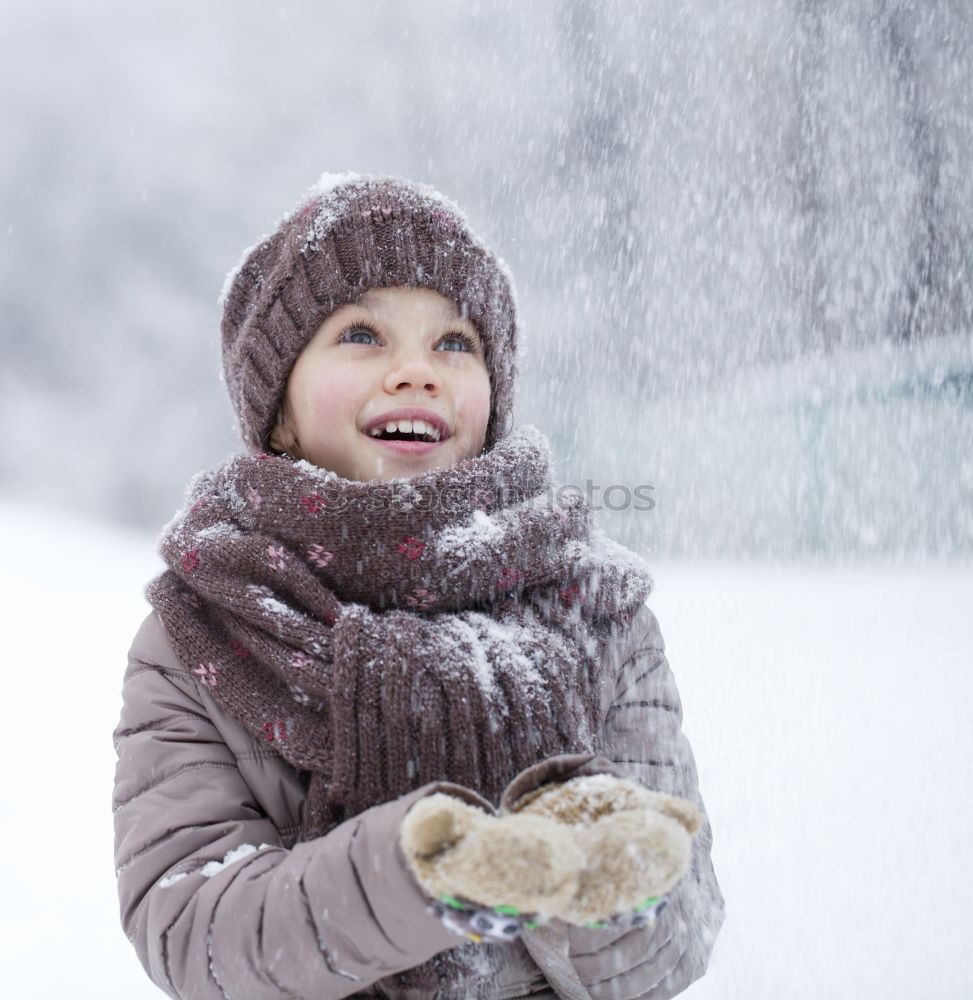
{"x":506,"y":923}
{"x":643,"y":914}
{"x":479,"y":923}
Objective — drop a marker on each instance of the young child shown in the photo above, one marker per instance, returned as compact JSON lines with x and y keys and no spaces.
{"x":390,"y":692}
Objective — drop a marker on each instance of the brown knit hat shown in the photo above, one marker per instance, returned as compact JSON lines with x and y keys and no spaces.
{"x":352,"y":232}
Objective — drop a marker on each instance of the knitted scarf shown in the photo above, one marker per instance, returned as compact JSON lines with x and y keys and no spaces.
{"x":384,"y":635}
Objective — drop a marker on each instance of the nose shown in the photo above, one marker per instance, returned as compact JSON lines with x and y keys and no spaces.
{"x":411,"y":370}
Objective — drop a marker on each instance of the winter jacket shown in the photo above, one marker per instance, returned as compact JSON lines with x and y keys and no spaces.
{"x":221,"y":902}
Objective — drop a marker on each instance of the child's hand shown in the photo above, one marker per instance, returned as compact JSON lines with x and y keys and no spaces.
{"x":595,"y":850}
{"x":636,"y":844}
{"x":521,"y":863}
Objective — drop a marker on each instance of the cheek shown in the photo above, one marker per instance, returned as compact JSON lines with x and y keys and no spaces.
{"x":324,"y":396}
{"x":474,"y":405}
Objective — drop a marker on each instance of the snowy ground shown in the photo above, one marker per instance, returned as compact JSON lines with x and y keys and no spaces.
{"x":830,"y":715}
{"x":828,"y":710}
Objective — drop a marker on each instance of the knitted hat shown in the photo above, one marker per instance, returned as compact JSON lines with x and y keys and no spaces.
{"x":350,"y":233}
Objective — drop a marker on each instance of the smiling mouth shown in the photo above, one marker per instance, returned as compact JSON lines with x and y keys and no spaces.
{"x":405,"y":443}
{"x":414,"y":429}
{"x":403,"y":436}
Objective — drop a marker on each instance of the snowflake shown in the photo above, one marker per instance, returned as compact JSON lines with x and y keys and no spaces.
{"x":508,"y":579}
{"x":421,"y":598}
{"x":571,"y":595}
{"x":411,"y":547}
{"x":301,"y":661}
{"x":319,"y":556}
{"x":313,"y":503}
{"x":207,"y":674}
{"x":275,"y":731}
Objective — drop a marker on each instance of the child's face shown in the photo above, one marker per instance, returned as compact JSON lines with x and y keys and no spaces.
{"x":396,"y":354}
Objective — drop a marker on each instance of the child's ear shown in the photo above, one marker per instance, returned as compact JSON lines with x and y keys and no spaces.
{"x":283,"y":438}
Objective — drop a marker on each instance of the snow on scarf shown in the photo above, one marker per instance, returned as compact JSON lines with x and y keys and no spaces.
{"x":384,"y":635}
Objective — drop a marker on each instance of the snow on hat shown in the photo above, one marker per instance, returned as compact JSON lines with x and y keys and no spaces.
{"x":350,"y":233}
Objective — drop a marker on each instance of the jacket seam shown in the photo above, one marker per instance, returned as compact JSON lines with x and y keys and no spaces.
{"x":589,"y":954}
{"x":637,"y":652}
{"x":160,"y":723}
{"x":657,"y":703}
{"x":648,"y":961}
{"x":137,"y":666}
{"x":364,"y":895}
{"x":185,"y":768}
{"x":326,"y":956}
{"x":259,"y":945}
{"x":660,"y":659}
{"x":145,"y":848}
{"x":256,"y":754}
{"x":239,"y":869}
{"x":210,"y":924}
{"x":651,"y":763}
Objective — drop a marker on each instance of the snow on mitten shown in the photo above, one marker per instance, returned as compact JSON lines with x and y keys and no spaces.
{"x":515,"y":864}
{"x":636,"y":844}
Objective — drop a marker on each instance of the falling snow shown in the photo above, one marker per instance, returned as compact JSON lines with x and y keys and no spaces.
{"x":741,"y":236}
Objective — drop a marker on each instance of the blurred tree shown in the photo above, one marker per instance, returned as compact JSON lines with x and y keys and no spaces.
{"x":809,"y":265}
{"x":935,"y":295}
{"x":882,"y":130}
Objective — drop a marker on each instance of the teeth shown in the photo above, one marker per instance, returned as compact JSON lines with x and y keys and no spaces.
{"x":423,"y":427}
{"x":407,"y":427}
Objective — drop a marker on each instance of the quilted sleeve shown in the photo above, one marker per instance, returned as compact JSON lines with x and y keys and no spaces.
{"x":214,"y":903}
{"x":644,"y":737}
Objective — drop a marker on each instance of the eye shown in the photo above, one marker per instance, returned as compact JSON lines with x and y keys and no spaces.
{"x":457,"y":342}
{"x":360,"y":333}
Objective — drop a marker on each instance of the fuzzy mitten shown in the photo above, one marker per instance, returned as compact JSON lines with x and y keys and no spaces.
{"x":585,"y":850}
{"x":519,"y":862}
{"x":636,"y":843}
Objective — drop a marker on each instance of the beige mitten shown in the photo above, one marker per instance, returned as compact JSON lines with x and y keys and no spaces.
{"x":522,"y":862}
{"x":636,"y":844}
